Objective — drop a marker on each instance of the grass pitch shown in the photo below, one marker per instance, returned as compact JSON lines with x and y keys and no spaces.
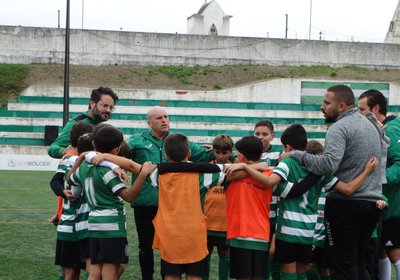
{"x":27,"y":240}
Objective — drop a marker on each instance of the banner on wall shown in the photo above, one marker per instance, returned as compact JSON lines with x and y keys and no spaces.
{"x":28,"y":162}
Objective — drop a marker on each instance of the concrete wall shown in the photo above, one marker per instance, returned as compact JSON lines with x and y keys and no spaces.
{"x":92,"y":47}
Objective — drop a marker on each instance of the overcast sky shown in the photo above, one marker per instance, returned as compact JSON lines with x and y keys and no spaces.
{"x":338,"y":20}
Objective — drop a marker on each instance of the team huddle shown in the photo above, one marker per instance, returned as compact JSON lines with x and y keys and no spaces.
{"x":307,"y":212}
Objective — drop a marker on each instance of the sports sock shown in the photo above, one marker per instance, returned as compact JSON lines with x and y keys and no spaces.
{"x":302,"y":276}
{"x":208,"y":260}
{"x":275,"y":270}
{"x":397,"y":267}
{"x":288,"y":276}
{"x":223,"y":268}
{"x":385,"y":271}
{"x":312,"y":274}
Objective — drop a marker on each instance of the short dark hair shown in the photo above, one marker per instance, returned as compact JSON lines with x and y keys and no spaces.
{"x":107,"y":138}
{"x":124,"y":150}
{"x":250,"y":146}
{"x":176,"y":147}
{"x":314,"y":147}
{"x":85,"y":143}
{"x":98,"y":127}
{"x":375,"y":97}
{"x":98,"y":92}
{"x":295,"y":136}
{"x":343,"y":93}
{"x":223,"y":142}
{"x":77,"y":130}
{"x":266,"y":123}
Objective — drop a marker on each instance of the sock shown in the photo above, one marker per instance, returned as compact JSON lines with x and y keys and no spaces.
{"x":60,"y":277}
{"x":85,"y":275}
{"x":223,"y":268}
{"x":397,"y":267}
{"x":208,"y":270}
{"x":302,"y":276}
{"x":385,"y":272}
{"x":275,"y":270}
{"x":288,"y":276}
{"x":312,"y":274}
{"x":268,"y":275}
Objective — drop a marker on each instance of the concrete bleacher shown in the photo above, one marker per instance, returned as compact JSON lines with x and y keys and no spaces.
{"x":200,"y":115}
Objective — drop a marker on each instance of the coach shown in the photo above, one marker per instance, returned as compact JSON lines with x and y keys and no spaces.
{"x":149,"y":146}
{"x":101,"y":105}
{"x":350,"y":142}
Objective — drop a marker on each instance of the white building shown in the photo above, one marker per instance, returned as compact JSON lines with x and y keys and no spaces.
{"x":209,"y":20}
{"x":393,"y":34}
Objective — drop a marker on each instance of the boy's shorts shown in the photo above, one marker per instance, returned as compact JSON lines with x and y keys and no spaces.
{"x":391,"y":234}
{"x":68,"y":254}
{"x":320,"y":256}
{"x":84,"y":247}
{"x":108,"y":250}
{"x":199,"y":268}
{"x":218,"y":241}
{"x":286,"y":252}
{"x":247,"y":263}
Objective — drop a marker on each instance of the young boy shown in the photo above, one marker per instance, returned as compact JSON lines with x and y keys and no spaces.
{"x":264,"y":130}
{"x":248,"y":204}
{"x":104,"y":190}
{"x":215,"y":209}
{"x":68,"y":253}
{"x":297,"y":215}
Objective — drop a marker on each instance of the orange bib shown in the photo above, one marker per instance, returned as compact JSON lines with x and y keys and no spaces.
{"x":180,"y":225}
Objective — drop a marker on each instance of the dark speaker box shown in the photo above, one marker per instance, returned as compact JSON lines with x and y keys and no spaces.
{"x":50,"y":134}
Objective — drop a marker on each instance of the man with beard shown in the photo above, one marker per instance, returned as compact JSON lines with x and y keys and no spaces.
{"x":149,"y":146}
{"x":101,"y":105}
{"x":350,"y":142}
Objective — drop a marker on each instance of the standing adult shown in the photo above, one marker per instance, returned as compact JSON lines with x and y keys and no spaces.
{"x":350,"y":142}
{"x":101,"y":105}
{"x":375,"y":102}
{"x":149,"y":146}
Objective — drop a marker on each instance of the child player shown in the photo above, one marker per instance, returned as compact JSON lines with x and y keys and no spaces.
{"x":297,"y":216}
{"x":68,"y":253}
{"x":215,"y":209}
{"x":107,"y":221}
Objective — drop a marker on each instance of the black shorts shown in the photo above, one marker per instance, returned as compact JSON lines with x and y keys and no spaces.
{"x":391,"y":234}
{"x":286,"y":252}
{"x":108,"y":250}
{"x":84,"y":248}
{"x":218,"y":241}
{"x":68,"y":254}
{"x":199,"y":268}
{"x":247,"y":263}
{"x":320,"y":256}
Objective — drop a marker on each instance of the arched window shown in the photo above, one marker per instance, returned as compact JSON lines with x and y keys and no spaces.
{"x":213,"y":30}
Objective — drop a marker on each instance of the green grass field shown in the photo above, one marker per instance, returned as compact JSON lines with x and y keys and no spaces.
{"x":27,"y":240}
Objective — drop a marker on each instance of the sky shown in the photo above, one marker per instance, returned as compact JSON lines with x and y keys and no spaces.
{"x":336,"y":20}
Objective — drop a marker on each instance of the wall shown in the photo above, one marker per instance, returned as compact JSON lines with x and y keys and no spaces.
{"x":93,"y":47}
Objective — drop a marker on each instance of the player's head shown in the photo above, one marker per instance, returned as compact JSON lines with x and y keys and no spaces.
{"x":294,"y":138}
{"x":177,"y":147}
{"x":108,"y":139}
{"x":222,"y":148}
{"x":314,"y":147}
{"x":85,"y":143}
{"x":372,"y":101}
{"x":337,"y":100}
{"x":124,"y":150}
{"x":264,"y":130}
{"x":102,"y":103}
{"x":77,"y":130}
{"x":250,"y":147}
{"x":98,"y":127}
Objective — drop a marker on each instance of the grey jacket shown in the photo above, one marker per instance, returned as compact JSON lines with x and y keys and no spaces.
{"x":350,"y":142}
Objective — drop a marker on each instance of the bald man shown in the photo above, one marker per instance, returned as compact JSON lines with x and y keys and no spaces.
{"x":149,"y":146}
